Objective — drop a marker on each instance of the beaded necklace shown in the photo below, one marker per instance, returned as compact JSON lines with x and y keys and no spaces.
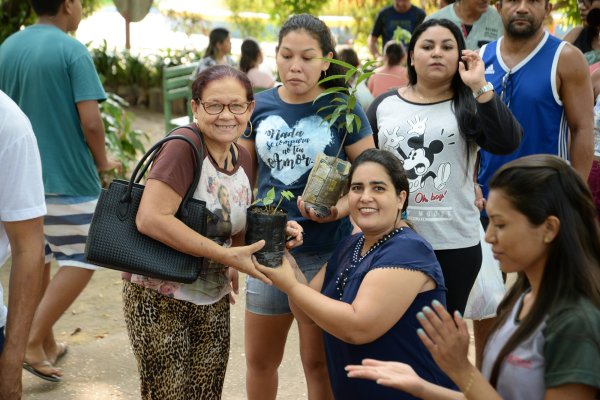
{"x":342,"y":279}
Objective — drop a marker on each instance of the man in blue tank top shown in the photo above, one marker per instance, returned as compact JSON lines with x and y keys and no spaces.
{"x":545,"y":83}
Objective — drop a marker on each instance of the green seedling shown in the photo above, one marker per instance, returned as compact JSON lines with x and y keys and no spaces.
{"x":341,"y":110}
{"x":269,"y":198}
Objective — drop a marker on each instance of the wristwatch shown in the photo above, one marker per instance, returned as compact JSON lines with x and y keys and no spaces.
{"x":486,"y":88}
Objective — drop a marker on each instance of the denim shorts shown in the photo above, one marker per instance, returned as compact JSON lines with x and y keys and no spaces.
{"x":264,"y":299}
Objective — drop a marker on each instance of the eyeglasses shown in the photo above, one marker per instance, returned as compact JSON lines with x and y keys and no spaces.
{"x":506,"y":88}
{"x":217,"y":108}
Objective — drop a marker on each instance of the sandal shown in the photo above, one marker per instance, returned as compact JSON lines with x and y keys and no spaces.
{"x":34,"y":368}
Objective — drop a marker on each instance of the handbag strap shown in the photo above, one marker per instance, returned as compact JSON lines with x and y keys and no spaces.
{"x":150,"y":154}
{"x":153,"y":156}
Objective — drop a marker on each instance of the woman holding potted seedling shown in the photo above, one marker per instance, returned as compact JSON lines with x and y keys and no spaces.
{"x":180,"y":332}
{"x":435,"y":126}
{"x":287,"y":134}
{"x":367,"y":296}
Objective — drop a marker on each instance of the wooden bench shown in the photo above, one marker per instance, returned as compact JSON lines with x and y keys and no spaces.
{"x":177,"y":85}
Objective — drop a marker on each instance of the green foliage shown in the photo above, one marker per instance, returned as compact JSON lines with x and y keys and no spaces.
{"x":363,"y":12}
{"x":341,"y":110}
{"x":280,"y":10}
{"x":245,"y":22}
{"x":123,"y":142}
{"x":188,"y":22}
{"x":269,"y":198}
{"x":125,"y":68}
{"x":15,"y":14}
{"x":401,"y":35}
{"x":569,"y":10}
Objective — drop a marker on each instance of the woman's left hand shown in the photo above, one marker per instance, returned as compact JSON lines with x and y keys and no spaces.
{"x":471,"y":70}
{"x":389,"y":373}
{"x":294,"y":234}
{"x":310,"y":213}
{"x":284,"y":276}
{"x":447,"y":339}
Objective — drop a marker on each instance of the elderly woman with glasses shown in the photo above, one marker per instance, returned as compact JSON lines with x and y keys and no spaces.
{"x":180,"y":332}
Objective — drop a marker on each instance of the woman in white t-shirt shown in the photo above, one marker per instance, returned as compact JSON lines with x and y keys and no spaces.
{"x":436,"y":125}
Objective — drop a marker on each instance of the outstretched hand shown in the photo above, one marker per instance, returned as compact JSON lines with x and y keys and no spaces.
{"x":471,"y":69}
{"x":447,"y":339}
{"x":240,"y":258}
{"x":284,"y":276}
{"x":312,"y":215}
{"x":389,"y":373}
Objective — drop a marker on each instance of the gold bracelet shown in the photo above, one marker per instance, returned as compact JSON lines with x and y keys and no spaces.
{"x":469,"y":384}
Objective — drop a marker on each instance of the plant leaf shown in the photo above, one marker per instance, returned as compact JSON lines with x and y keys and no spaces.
{"x":364,"y":77}
{"x":351,"y":102}
{"x":339,"y":62}
{"x":335,"y":89}
{"x":349,"y":124}
{"x":287,"y":194}
{"x":325,"y":108}
{"x":358,"y":124}
{"x":331,"y":78}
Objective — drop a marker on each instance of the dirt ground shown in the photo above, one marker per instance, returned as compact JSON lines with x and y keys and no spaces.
{"x":100,"y":364}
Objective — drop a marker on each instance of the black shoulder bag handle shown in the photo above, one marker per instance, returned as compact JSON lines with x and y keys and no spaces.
{"x":114,"y":241}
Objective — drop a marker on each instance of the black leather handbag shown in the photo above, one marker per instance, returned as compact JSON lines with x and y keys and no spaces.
{"x":114,"y":241}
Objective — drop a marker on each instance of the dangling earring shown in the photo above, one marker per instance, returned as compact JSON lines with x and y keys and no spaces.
{"x":323,"y":74}
{"x":249,"y":133}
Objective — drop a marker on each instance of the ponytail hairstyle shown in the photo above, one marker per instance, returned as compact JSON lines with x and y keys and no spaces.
{"x":250,"y":52}
{"x":538,"y":187}
{"x":394,"y":52}
{"x":321,"y":33}
{"x":216,"y":36}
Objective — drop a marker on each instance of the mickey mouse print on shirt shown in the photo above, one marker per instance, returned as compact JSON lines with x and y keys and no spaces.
{"x":439,"y":164}
{"x":418,"y":154}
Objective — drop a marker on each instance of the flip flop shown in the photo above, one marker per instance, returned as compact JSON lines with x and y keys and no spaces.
{"x":63,"y":349}
{"x":31,"y":367}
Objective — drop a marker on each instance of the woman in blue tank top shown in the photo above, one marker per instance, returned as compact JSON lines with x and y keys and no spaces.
{"x":367,"y":296}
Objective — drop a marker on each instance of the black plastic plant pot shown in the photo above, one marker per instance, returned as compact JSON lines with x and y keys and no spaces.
{"x":260,"y":224}
{"x":326,"y":183}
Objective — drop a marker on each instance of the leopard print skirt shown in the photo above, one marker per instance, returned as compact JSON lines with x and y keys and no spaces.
{"x":181,"y":348}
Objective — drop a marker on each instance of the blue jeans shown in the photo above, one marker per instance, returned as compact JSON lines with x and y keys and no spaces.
{"x":264,"y":299}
